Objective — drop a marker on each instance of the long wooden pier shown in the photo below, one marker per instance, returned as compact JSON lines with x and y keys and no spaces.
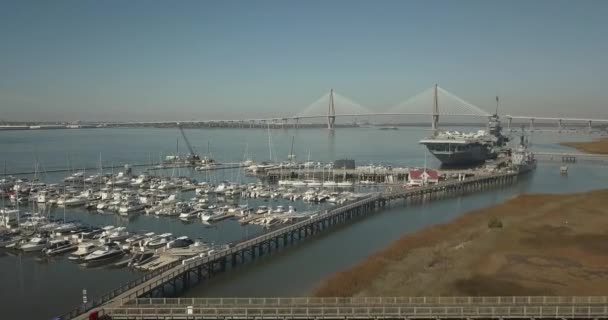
{"x":179,"y":276}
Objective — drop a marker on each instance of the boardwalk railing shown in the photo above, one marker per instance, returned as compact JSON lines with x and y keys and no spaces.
{"x":366,"y":301}
{"x":367,"y":312}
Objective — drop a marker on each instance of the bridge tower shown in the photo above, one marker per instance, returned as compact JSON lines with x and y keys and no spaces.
{"x":331,"y":112}
{"x":435,"y":110}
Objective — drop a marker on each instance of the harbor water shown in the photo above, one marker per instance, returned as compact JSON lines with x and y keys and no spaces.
{"x":56,"y":285}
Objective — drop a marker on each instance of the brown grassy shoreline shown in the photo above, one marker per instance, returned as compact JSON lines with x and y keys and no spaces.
{"x":549,"y":244}
{"x":597,"y":146}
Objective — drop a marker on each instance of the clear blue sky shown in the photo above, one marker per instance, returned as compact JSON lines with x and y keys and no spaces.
{"x":117,"y":60}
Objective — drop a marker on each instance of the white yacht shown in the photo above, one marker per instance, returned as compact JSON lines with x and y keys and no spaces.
{"x":159,"y":241}
{"x":299,"y":184}
{"x":180,"y":242}
{"x":261,"y":210}
{"x":189,"y":215}
{"x":82,"y":250}
{"x":35,"y":244}
{"x":215,"y":215}
{"x":75,"y":178}
{"x":105,"y":254}
{"x":42,"y":196}
{"x":141,"y":258}
{"x":330,"y":184}
{"x":130,"y":207}
{"x":313,"y":183}
{"x":345,"y":184}
{"x":74,"y":201}
{"x":117,"y":234}
{"x":59,"y":246}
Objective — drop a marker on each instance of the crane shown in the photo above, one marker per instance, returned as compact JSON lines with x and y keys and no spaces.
{"x":193,"y":157}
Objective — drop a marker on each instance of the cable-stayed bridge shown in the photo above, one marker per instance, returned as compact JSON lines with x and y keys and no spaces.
{"x":434,"y":102}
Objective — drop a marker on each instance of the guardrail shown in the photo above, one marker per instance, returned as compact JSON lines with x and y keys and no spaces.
{"x":376,"y":312}
{"x":329,"y":301}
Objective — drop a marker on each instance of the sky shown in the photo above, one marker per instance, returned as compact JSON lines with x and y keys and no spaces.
{"x":178,"y":60}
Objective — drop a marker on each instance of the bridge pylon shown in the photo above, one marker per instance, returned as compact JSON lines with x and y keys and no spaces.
{"x":331,"y":111}
{"x":435,"y":122}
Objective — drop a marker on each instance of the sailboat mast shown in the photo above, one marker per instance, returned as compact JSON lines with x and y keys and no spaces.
{"x":291,"y":157}
{"x":269,"y":143}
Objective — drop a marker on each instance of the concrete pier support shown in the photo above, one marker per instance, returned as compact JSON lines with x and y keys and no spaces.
{"x":531,"y":124}
{"x":331,"y":112}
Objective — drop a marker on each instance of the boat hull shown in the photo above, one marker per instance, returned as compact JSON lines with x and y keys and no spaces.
{"x":473,"y":156}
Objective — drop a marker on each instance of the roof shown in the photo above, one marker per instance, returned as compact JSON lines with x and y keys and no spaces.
{"x":417,"y":174}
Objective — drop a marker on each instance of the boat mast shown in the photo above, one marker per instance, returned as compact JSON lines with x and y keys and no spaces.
{"x":291,"y":155}
{"x":100,"y":171}
{"x":269,"y":143}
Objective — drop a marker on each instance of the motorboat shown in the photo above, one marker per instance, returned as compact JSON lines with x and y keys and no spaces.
{"x":345,"y":184}
{"x":189,"y":215}
{"x":35,"y":244}
{"x":6,"y":240}
{"x":159,"y":241}
{"x":66,"y":227}
{"x":329,"y":184}
{"x":261,"y":210}
{"x":42,"y":196}
{"x":90,"y":232}
{"x":131,"y":206}
{"x":215,"y":215}
{"x":59,"y":246}
{"x":75,"y":201}
{"x":141,"y":258}
{"x":180,"y":242}
{"x":137,"y":239}
{"x":117,"y":234}
{"x":75,"y":178}
{"x":82,"y":250}
{"x":106,"y":253}
{"x":299,"y":184}
{"x":314,"y":183}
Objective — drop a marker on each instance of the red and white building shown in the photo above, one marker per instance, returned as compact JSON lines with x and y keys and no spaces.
{"x":421,"y":177}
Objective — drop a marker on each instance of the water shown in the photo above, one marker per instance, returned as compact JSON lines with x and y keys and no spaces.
{"x":55,"y":286}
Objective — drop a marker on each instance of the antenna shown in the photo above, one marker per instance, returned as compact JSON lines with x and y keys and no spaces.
{"x":496,"y":113}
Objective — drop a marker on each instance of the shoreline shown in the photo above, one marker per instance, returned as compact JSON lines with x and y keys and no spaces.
{"x":598,"y":146}
{"x":548,"y":245}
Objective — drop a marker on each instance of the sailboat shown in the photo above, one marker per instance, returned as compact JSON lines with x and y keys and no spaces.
{"x":344,"y":182}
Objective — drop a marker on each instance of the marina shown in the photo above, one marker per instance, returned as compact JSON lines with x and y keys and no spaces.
{"x":206,"y":266}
